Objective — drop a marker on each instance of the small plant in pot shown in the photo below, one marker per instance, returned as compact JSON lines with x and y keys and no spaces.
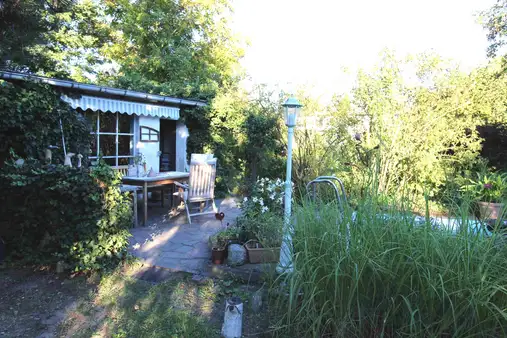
{"x":262,"y":220}
{"x":218,"y":248}
{"x":264,"y":246}
{"x":219,"y":242}
{"x":489,"y":190}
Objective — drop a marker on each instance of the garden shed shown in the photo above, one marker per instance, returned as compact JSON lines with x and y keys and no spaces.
{"x":126,"y":122}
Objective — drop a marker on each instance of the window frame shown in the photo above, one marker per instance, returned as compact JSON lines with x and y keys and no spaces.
{"x":98,"y":133}
{"x":148,"y":131}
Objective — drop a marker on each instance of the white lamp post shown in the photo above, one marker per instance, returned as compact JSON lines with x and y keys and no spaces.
{"x":291,"y":110}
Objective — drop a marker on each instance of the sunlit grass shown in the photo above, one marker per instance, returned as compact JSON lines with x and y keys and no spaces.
{"x":124,"y":306}
{"x":394,"y":278}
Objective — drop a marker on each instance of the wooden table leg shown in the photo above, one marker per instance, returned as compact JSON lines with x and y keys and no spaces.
{"x":145,"y":198}
{"x":135,"y":209}
{"x":171,"y":196}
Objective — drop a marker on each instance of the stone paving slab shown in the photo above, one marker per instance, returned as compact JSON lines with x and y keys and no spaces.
{"x":171,"y":243}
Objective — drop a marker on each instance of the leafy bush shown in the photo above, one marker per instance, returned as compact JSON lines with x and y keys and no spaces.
{"x":52,"y":213}
{"x":244,"y":131}
{"x":373,"y":275}
{"x":30,"y":116}
{"x":263,"y":150}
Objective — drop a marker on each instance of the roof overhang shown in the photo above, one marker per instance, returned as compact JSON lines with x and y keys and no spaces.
{"x":109,"y":99}
{"x":122,"y":106}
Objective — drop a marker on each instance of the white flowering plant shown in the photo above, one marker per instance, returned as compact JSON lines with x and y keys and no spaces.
{"x":262,"y":217}
{"x":267,"y":196}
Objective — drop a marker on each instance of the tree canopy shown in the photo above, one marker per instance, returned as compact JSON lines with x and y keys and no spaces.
{"x":53,"y":38}
{"x":183,"y":48}
{"x":174,"y":47}
{"x":494,"y":21}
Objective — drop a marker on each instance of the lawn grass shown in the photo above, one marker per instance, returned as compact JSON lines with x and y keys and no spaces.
{"x":119,"y":304}
{"x":125,"y":306}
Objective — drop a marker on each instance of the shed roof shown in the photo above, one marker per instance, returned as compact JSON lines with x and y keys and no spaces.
{"x":90,"y":88}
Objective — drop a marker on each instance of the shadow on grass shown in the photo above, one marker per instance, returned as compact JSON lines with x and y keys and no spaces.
{"x":125,"y":306}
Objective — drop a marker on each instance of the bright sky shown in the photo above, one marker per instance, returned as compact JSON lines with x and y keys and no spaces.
{"x":295,"y":42}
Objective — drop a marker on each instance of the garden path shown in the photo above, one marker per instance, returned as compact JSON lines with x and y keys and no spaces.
{"x":172,"y":243}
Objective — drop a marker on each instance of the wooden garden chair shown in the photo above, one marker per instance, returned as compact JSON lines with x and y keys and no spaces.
{"x":200,"y":188}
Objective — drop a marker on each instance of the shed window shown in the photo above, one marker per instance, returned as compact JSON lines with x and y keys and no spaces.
{"x":114,"y":137}
{"x":149,"y":134}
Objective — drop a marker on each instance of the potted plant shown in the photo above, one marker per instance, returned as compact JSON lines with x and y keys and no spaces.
{"x":231,"y":234}
{"x":257,"y":253}
{"x":264,"y":246}
{"x":262,"y":220}
{"x":489,"y":190}
{"x":218,"y":249}
{"x":219,"y":242}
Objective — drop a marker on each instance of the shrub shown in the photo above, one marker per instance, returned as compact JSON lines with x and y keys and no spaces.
{"x":52,"y":213}
{"x":244,"y":131}
{"x":369,"y":275}
{"x":30,"y":116}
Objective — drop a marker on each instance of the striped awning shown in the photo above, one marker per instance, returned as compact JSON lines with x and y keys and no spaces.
{"x":125,"y":107}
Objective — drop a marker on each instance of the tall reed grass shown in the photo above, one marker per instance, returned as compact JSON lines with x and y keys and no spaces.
{"x":389,"y":277}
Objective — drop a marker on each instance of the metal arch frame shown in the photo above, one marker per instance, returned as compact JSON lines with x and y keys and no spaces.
{"x":341,"y":204}
{"x":331,"y":181}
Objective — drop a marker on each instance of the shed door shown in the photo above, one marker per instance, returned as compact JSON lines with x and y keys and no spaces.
{"x":167,"y":145}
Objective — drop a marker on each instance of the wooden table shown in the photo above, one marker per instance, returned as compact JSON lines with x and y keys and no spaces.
{"x":166,"y":178}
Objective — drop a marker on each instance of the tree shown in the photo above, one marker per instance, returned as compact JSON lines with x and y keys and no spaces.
{"x":182,"y":48}
{"x":410,"y":134}
{"x":22,"y":26}
{"x":495,"y":21}
{"x":53,"y":38}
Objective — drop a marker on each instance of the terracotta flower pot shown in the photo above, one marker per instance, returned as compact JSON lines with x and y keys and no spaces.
{"x":490,"y":210}
{"x":218,"y":255}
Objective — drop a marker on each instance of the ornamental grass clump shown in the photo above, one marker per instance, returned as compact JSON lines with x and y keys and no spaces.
{"x":390,"y":277}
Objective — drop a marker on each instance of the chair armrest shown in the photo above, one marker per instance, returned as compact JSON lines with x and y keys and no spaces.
{"x":127,"y":188}
{"x":181,"y":185}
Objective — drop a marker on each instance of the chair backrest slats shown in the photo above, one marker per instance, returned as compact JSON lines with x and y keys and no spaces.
{"x":201,"y":157}
{"x":122,"y":169}
{"x":201,"y":179}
